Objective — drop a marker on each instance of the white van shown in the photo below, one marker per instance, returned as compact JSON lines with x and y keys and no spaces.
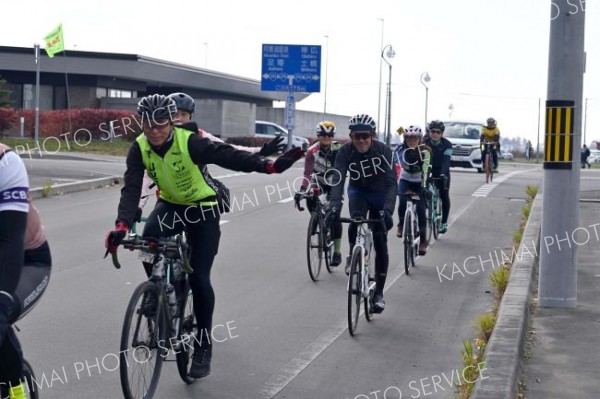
{"x":269,"y":130}
{"x":464,"y":136}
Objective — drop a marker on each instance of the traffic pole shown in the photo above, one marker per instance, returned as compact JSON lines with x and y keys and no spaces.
{"x":560,"y":212}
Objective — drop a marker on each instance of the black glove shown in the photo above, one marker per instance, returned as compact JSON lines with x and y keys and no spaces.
{"x":285,"y":161}
{"x":271,"y":147}
{"x":114,"y":238}
{"x":138,"y":215}
{"x":388,"y":220}
{"x":297,"y":197}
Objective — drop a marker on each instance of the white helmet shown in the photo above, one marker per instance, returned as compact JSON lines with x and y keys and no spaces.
{"x":413,"y":131}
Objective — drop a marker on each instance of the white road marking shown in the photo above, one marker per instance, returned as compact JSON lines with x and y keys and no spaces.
{"x":487,"y":188}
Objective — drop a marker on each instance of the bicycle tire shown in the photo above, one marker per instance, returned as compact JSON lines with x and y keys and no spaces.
{"x":354,"y":290}
{"x":438,"y":217}
{"x":328,"y":248}
{"x":430,"y":214}
{"x":147,"y":292}
{"x":408,"y":239}
{"x":29,"y":377}
{"x":188,"y":329}
{"x":314,"y":245}
{"x":488,"y":169}
{"x":367,"y":303}
{"x":415,"y":231}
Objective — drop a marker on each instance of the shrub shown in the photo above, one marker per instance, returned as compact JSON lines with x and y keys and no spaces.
{"x":7,"y":118}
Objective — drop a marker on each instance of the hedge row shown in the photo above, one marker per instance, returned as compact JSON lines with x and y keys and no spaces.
{"x":85,"y":122}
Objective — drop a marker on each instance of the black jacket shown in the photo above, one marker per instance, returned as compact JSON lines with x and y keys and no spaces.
{"x":440,"y":156}
{"x":372,"y":171}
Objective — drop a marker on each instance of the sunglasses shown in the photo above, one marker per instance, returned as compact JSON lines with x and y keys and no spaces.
{"x":361,"y":136}
{"x":435,"y":131}
{"x":325,"y":134}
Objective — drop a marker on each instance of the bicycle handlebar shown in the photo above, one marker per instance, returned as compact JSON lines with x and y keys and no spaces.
{"x":155,"y":246}
{"x":361,"y":220}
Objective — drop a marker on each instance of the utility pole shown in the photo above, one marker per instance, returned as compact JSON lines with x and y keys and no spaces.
{"x":560,"y":212}
{"x":380,"y":65}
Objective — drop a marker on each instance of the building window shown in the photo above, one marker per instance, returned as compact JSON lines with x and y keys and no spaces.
{"x":28,"y":96}
{"x":101,"y":92}
{"x":116,"y":93}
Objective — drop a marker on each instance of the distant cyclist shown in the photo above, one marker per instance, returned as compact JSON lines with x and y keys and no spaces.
{"x":371,"y":189}
{"x":320,"y":160}
{"x":25,"y":264}
{"x":414,"y":162}
{"x":441,"y":151}
{"x":490,"y":133}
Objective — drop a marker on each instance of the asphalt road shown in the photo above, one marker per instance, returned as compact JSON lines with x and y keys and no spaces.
{"x":283,"y":335}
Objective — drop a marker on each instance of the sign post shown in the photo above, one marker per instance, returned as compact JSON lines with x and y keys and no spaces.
{"x":291,"y":68}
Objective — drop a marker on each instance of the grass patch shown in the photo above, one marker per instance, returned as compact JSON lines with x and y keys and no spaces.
{"x":473,"y":352}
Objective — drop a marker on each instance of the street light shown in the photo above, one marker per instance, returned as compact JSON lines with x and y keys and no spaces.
{"x":326,"y":68}
{"x":425,"y":78}
{"x":388,"y":108}
{"x":450,"y":110}
{"x":380,"y":64}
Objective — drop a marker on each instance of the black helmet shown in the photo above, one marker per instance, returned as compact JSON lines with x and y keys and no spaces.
{"x":362,"y":122}
{"x":183,"y":102}
{"x":156,"y":107}
{"x":438,"y":125}
{"x":491,"y":121}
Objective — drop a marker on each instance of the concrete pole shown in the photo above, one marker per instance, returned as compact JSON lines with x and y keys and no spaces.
{"x":560,"y":212}
{"x":537,"y":151}
{"x":36,"y":47}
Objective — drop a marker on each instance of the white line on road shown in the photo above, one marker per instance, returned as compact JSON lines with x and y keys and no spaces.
{"x":487,"y":188}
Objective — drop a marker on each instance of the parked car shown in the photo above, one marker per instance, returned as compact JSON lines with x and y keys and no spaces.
{"x":464,"y":136}
{"x":504,"y":154}
{"x":270,"y":130}
{"x":594,"y":156}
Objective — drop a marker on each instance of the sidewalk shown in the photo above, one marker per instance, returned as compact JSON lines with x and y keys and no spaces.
{"x":564,"y":360}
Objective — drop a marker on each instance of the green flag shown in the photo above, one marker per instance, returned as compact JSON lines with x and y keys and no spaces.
{"x":54,"y":41}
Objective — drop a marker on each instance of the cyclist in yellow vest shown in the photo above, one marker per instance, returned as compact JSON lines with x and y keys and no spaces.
{"x":175,"y":159}
{"x":490,"y":133}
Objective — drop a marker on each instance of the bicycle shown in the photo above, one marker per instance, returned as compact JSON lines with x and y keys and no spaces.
{"x":319,"y":240}
{"x":159,"y":317}
{"x":488,"y":147}
{"x":361,"y":281}
{"x":434,"y":208}
{"x":28,"y":378}
{"x":411,"y":237}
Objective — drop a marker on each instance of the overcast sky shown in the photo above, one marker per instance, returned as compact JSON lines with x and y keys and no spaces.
{"x":486,"y":57}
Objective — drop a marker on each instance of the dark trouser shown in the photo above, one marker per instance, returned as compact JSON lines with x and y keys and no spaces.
{"x":404,"y":187}
{"x":32,"y":284}
{"x":202,"y":226}
{"x":361,"y":203}
{"x":445,"y":198}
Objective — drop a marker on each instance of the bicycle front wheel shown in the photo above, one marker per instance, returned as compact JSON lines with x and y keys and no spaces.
{"x":142,"y":343}
{"x":488,"y":168}
{"x":314,"y":245}
{"x":438,"y":217}
{"x":408,"y":241}
{"x":354,"y":289}
{"x":188,"y":334}
{"x":430,"y":218}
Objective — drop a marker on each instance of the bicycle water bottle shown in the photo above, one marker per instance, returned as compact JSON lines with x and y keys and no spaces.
{"x":172,"y":300}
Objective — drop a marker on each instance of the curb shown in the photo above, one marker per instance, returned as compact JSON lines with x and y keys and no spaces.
{"x":504,"y":350}
{"x":66,"y":188}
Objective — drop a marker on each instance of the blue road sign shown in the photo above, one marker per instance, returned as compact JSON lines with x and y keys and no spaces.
{"x":289,"y":67}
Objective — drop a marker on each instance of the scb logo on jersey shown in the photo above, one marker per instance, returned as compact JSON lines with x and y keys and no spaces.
{"x":16,"y":194}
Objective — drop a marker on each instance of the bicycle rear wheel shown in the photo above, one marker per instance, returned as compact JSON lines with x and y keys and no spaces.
{"x":314,"y":245}
{"x":188,"y":334}
{"x":142,"y":342}
{"x":430,"y":214}
{"x":354,"y":290}
{"x":488,"y":169}
{"x":408,"y":239}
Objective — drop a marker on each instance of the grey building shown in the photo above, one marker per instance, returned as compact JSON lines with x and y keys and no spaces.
{"x":225,"y":104}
